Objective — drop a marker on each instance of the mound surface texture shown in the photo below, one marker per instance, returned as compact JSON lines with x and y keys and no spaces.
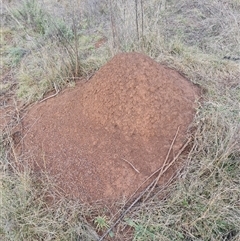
{"x":127,"y":113}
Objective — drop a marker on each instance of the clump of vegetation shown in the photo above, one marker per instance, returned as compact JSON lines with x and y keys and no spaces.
{"x":33,"y":209}
{"x":46,"y":52}
{"x":101,"y":222}
{"x":47,"y":47}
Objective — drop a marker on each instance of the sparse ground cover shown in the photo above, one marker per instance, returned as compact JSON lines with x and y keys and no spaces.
{"x":48,"y":45}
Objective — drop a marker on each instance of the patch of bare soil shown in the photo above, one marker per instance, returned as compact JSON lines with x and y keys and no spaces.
{"x":103,"y":138}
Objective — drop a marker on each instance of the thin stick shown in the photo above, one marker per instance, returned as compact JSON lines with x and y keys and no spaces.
{"x":51,"y":96}
{"x":130,"y":165}
{"x":136,"y":13}
{"x":164,"y":164}
{"x":112,"y":24}
{"x":30,"y":128}
{"x":176,"y":157}
{"x":142,"y":16}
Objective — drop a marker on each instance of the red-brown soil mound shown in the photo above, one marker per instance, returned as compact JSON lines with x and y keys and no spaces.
{"x":128,"y":112}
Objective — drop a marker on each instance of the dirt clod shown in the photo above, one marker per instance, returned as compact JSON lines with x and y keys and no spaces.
{"x":103,"y":138}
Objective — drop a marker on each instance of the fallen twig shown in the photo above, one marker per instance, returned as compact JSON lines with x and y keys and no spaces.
{"x":164,"y":164}
{"x":130,"y":165}
{"x":51,"y":96}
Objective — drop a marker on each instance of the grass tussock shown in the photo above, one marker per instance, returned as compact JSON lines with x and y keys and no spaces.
{"x":32,"y":208}
{"x":48,"y":46}
{"x":45,"y":51}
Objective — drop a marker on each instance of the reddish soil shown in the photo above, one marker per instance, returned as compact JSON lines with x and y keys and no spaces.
{"x":129,"y":111}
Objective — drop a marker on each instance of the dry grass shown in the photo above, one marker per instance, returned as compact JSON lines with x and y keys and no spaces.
{"x":204,"y":203}
{"x":33,"y":209}
{"x":191,"y":36}
{"x":45,"y":51}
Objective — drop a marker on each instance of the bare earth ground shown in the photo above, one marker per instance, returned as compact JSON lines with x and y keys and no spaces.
{"x":103,"y":138}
